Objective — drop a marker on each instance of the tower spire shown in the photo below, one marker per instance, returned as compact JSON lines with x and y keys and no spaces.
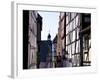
{"x":49,"y":36}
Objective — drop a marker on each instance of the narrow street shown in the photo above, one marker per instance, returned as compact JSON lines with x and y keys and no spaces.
{"x":56,"y":39}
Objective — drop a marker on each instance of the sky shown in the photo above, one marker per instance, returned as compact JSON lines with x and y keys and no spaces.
{"x":50,"y":24}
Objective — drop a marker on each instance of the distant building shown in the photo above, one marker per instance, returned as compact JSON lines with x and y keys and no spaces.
{"x":54,"y":50}
{"x":39,"y":29}
{"x":46,"y":53}
{"x":54,"y":42}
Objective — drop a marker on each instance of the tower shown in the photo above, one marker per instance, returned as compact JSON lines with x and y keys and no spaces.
{"x":49,"y":37}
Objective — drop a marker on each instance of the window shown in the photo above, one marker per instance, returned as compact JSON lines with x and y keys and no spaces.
{"x":67,"y":29}
{"x":77,"y":33}
{"x":73,"y":35}
{"x":87,"y":19}
{"x":77,"y":20}
{"x":69,"y":16}
{"x":69,"y":51}
{"x":74,"y":23}
{"x":63,"y":43}
{"x":78,"y":59}
{"x":70,"y":28}
{"x":67,"y":20}
{"x":69,"y":37}
{"x":77,"y":47}
{"x":67,"y":40}
{"x":73,"y":48}
{"x":85,"y":43}
{"x":73,"y":15}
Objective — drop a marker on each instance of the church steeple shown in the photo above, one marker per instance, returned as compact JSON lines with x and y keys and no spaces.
{"x":49,"y":37}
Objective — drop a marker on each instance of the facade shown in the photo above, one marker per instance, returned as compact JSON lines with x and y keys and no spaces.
{"x":39,"y":27}
{"x":78,"y":35}
{"x":32,"y":26}
{"x":32,"y":42}
{"x":59,"y":46}
{"x":85,"y":38}
{"x":74,"y":38}
{"x":62,"y":24}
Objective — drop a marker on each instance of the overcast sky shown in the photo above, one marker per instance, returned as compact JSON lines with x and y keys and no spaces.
{"x":50,"y":24}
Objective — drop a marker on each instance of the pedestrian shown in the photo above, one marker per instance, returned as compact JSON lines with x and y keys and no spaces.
{"x":49,"y":61}
{"x":64,"y":60}
{"x":59,"y":60}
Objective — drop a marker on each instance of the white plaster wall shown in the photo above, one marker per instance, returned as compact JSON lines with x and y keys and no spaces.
{"x":32,"y":39}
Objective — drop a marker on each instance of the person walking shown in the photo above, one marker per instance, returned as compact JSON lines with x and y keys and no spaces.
{"x":59,"y":60}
